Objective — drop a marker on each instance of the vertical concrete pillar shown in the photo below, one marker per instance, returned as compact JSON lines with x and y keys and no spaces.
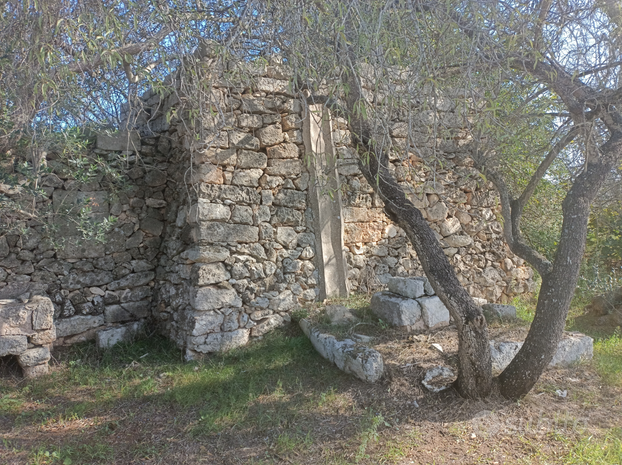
{"x":325,"y":200}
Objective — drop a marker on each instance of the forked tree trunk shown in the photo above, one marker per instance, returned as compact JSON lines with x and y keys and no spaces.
{"x":559,"y":284}
{"x":474,"y":368}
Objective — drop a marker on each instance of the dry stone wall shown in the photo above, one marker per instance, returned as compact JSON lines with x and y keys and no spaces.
{"x":462,"y":209}
{"x":215,"y":238}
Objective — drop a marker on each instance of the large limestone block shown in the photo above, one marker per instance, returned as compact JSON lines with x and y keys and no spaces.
{"x":270,"y":135}
{"x":280,"y":167}
{"x":498,"y":311}
{"x":285,"y":150}
{"x":572,"y":348}
{"x":362,"y":362}
{"x":237,"y":194}
{"x":226,"y":232}
{"x":42,"y":312}
{"x":434,"y":313}
{"x":502,"y":353}
{"x":13,"y":345}
{"x":212,"y":298}
{"x":267,"y":325}
{"x":243,"y":140}
{"x":206,"y":322}
{"x":407,"y":287}
{"x":77,"y":324}
{"x":219,"y":342}
{"x":291,"y":198}
{"x":33,"y":357}
{"x":107,"y":338}
{"x":396,"y":310}
{"x":206,"y":254}
{"x":209,"y":273}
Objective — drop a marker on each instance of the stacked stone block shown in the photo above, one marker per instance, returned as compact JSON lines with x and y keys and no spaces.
{"x":27,"y":331}
{"x":410,"y":303}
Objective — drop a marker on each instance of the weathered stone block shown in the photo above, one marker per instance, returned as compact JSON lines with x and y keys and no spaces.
{"x":42,"y":313}
{"x":132,"y":280}
{"x":278,"y":167}
{"x":248,"y":178}
{"x":154,"y":178}
{"x":206,"y":322}
{"x":458,"y":240}
{"x":285,"y":150}
{"x":572,"y":348}
{"x":362,"y":362}
{"x":438,"y":212}
{"x":498,"y":311}
{"x":243,"y":140}
{"x":107,"y":338}
{"x":212,"y":298}
{"x":13,"y":345}
{"x":291,"y":198}
{"x":286,"y":236}
{"x":152,"y":226}
{"x":225,"y":232}
{"x":32,"y":357}
{"x":236,"y":194}
{"x":77,"y":324}
{"x":267,"y":325}
{"x":212,"y":273}
{"x":206,"y":254}
{"x":434,"y":313}
{"x":407,"y":287}
{"x":36,"y":371}
{"x":248,"y":159}
{"x":43,"y":337}
{"x":90,"y":279}
{"x":396,"y":310}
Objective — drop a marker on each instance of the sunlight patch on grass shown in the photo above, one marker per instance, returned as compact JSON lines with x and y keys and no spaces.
{"x":608,"y":359}
{"x":593,"y":450}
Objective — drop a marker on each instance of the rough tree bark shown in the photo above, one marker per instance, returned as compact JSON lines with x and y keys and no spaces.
{"x":559,"y":283}
{"x":475,"y":367}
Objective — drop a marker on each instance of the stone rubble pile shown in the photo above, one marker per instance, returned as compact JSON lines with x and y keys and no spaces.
{"x":410,"y":303}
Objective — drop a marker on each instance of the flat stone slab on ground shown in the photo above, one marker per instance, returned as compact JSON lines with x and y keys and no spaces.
{"x":108,"y":337}
{"x":363,"y":362}
{"x":396,"y":310}
{"x":572,"y":348}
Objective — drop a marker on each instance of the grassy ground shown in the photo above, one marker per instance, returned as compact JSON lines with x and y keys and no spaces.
{"x":277,"y":401}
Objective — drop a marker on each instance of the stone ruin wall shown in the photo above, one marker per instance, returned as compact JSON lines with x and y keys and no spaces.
{"x":216,"y":238}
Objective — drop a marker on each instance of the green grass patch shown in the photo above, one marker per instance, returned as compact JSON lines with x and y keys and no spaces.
{"x":591,"y":450}
{"x":608,"y":359}
{"x":525,"y":307}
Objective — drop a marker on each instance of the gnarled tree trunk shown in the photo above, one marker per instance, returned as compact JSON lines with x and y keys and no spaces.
{"x":558,"y":285}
